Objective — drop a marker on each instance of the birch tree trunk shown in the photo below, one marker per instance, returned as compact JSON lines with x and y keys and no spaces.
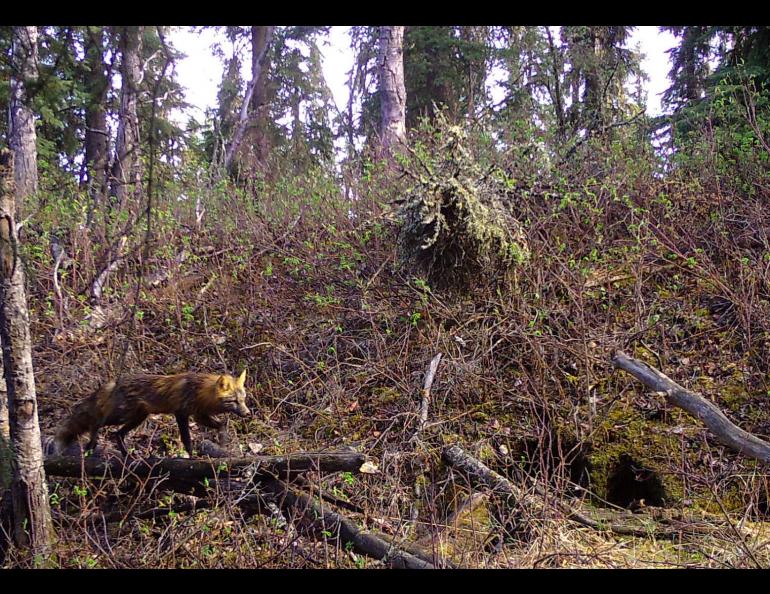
{"x":23,"y":143}
{"x":392,"y":89}
{"x":33,"y":527}
{"x":22,"y":137}
{"x":125,"y":170}
{"x":261,"y":38}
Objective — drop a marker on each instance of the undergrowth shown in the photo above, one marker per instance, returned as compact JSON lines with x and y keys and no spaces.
{"x":302,"y":284}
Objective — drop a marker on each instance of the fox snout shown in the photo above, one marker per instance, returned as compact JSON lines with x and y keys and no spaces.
{"x":243,"y":411}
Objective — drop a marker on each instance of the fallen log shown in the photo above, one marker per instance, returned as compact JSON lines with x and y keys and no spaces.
{"x":662,"y":524}
{"x":727,"y":432}
{"x":345,"y":533}
{"x":459,"y":459}
{"x":186,"y":475}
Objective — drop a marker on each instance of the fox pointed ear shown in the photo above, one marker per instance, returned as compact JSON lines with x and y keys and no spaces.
{"x":242,"y":379}
{"x":222,"y":383}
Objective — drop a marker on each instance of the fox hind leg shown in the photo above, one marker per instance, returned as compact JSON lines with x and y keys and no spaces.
{"x":94,"y":438}
{"x":128,"y":426}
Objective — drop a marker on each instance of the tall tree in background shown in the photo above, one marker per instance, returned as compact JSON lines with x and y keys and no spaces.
{"x":600,"y":66}
{"x":96,"y":83}
{"x":23,"y":139}
{"x":392,"y":90}
{"x":445,"y":67}
{"x":261,"y":39}
{"x":125,"y":169}
{"x":283,"y":117}
{"x":689,"y":66}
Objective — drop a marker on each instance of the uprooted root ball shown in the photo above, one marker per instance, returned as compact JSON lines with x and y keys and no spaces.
{"x":454,"y":224}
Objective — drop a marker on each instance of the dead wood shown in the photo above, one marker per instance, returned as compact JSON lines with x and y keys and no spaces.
{"x":662,"y":524}
{"x":190,"y":476}
{"x":727,"y":432}
{"x":322,"y":522}
{"x":430,"y":375}
{"x":97,"y":287}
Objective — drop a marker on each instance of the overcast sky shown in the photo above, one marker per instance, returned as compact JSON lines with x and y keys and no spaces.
{"x":201,"y":71}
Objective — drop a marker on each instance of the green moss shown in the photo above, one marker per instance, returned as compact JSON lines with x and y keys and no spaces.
{"x":625,"y":431}
{"x":385,"y":395}
{"x":454,"y":223}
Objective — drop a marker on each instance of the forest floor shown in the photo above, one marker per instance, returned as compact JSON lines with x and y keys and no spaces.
{"x":337,"y":335}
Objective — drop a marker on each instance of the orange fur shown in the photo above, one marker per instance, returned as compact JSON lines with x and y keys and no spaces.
{"x":129,"y":400}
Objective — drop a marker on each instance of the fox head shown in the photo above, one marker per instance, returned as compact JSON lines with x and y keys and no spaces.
{"x":231,"y":395}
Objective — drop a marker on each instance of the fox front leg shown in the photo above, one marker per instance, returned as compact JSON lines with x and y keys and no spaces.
{"x":184,"y":431}
{"x":133,"y":423}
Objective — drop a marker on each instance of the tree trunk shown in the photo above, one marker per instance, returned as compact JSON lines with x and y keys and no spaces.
{"x":5,"y":432}
{"x":125,"y":170}
{"x":22,"y":122}
{"x":556,"y":96}
{"x":392,"y":89}
{"x":33,"y":527}
{"x":259,"y":41}
{"x":96,"y":140}
{"x":261,"y":38}
{"x":594,"y":96}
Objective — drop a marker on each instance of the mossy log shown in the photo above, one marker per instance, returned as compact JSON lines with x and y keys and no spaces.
{"x":661,"y":524}
{"x":727,"y":432}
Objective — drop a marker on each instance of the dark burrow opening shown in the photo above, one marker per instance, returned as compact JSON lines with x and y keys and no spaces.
{"x":630,"y":484}
{"x":561,"y":455}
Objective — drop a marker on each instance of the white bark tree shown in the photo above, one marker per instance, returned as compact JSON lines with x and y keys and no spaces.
{"x":23,"y":143}
{"x":22,"y":137}
{"x":392,"y":89}
{"x":33,"y":527}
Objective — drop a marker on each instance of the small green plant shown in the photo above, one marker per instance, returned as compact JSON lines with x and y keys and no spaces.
{"x":187,"y":313}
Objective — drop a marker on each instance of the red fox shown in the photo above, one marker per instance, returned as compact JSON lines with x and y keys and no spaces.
{"x":131,"y":399}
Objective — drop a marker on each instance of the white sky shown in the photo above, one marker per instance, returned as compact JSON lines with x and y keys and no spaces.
{"x":201,"y":71}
